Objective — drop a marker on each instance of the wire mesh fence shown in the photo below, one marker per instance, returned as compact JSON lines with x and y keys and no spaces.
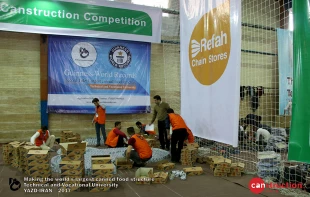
{"x":259,"y":74}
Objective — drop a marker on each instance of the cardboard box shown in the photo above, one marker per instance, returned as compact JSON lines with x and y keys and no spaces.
{"x":98,"y":169}
{"x":37,"y":154}
{"x":43,"y":173}
{"x":73,"y":148}
{"x":144,"y":175}
{"x":237,"y":167}
{"x":160,"y":177}
{"x":101,"y":159}
{"x":102,"y":176}
{"x":39,"y":167}
{"x":72,"y":158}
{"x":71,"y":165}
{"x":209,"y":159}
{"x":192,"y":145}
{"x":225,"y":170}
{"x":220,"y":174}
{"x":79,"y":172}
{"x":193,"y":171}
{"x":123,"y":164}
{"x":34,"y":162}
{"x":166,"y":166}
{"x":221,"y":163}
{"x":99,"y":189}
{"x":72,"y":139}
{"x":66,"y":134}
{"x":234,"y":174}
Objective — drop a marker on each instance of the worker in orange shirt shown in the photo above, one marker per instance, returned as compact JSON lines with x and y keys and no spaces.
{"x":138,"y":150}
{"x":190,"y":137}
{"x":43,"y":139}
{"x":141,"y":127}
{"x":116,"y":138}
{"x":178,"y":135}
{"x":99,"y":120}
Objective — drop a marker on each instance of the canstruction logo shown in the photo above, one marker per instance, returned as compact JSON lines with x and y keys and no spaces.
{"x":209,"y":46}
{"x":257,"y":185}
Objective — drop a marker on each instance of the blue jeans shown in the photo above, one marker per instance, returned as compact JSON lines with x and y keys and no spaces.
{"x":102,"y":127}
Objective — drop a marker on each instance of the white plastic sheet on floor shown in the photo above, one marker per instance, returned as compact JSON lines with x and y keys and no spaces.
{"x":158,"y":155}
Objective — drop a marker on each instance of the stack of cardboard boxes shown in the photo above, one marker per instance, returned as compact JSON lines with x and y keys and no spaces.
{"x":15,"y":155}
{"x":69,"y":136}
{"x":236,"y":169}
{"x":224,"y":167}
{"x":72,"y":173}
{"x":189,"y":156}
{"x":72,"y":164}
{"x":38,"y":165}
{"x":6,"y":152}
{"x":102,"y":172}
{"x":23,"y":151}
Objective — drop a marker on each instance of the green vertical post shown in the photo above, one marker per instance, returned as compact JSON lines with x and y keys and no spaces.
{"x":299,"y":143}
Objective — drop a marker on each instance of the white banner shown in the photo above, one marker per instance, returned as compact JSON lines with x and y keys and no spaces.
{"x":210,"y":68}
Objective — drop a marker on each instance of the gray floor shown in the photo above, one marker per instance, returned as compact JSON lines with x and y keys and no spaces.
{"x":194,"y":186}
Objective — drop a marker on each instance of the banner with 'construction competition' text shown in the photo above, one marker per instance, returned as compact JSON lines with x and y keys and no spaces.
{"x":210,"y":68}
{"x":115,"y":71}
{"x":87,"y":18}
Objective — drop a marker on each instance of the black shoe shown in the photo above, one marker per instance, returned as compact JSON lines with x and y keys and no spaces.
{"x":97,"y":145}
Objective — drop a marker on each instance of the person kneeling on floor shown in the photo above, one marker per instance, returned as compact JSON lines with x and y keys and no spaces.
{"x":116,"y":138}
{"x":138,"y":150}
{"x":179,"y":133}
{"x":43,"y":139}
{"x":141,"y":127}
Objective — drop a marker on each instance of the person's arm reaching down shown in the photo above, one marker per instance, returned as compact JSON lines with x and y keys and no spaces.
{"x":154,"y":116}
{"x":120,"y":133}
{"x":34,"y":137}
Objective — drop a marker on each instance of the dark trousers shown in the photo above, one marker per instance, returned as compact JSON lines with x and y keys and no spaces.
{"x":134,"y":156}
{"x":178,"y":136}
{"x":162,"y":132}
{"x":102,"y":127}
{"x":120,"y":142}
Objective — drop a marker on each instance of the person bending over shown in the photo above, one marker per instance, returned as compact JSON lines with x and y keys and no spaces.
{"x":190,"y":137}
{"x":116,"y":138}
{"x":138,"y":150}
{"x":141,"y":127}
{"x":179,"y":133}
{"x":262,"y":136}
{"x":43,"y":139}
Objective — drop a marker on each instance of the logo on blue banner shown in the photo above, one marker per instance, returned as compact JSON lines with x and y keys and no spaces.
{"x":84,"y":54}
{"x":120,"y":57}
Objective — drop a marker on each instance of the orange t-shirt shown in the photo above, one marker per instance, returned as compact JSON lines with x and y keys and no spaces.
{"x":42,"y":138}
{"x":176,"y":122}
{"x":112,"y":139}
{"x":100,"y":115}
{"x":141,"y":146}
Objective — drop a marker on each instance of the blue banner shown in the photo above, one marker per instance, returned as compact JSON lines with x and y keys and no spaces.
{"x":116,"y":72}
{"x":285,"y":61}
